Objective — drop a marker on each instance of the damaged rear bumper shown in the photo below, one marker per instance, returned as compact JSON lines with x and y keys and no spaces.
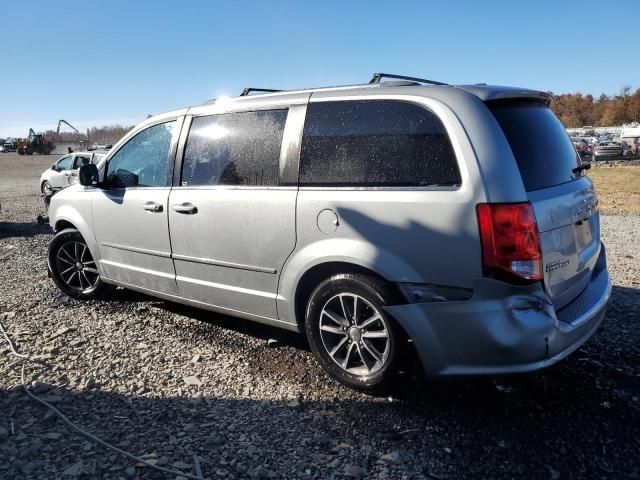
{"x":503,"y":329}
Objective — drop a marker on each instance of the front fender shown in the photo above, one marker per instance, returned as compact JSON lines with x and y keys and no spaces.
{"x":354,"y":251}
{"x":74,"y":207}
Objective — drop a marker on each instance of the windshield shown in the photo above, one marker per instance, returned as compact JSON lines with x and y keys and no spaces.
{"x":544,"y":152}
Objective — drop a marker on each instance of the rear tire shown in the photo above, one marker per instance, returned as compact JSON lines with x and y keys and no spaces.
{"x":72,"y":267}
{"x":353,"y":339}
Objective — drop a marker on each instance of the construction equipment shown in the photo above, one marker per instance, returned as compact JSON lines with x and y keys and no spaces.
{"x":60,"y":122}
{"x":34,"y":143}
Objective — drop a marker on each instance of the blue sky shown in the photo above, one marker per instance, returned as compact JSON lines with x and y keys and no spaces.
{"x":95,"y":63}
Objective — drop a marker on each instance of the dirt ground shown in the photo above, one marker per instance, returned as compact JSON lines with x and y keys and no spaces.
{"x":185,"y":387}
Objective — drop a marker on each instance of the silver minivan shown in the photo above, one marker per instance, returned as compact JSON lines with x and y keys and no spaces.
{"x":456,"y":221}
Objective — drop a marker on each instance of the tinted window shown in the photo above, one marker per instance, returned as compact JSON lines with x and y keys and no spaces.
{"x":143,"y":160}
{"x":64,"y":163}
{"x":375,"y":142}
{"x":540,"y":144}
{"x":234,"y":149}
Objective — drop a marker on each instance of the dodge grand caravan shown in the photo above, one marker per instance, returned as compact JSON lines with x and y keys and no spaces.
{"x":457,"y":219}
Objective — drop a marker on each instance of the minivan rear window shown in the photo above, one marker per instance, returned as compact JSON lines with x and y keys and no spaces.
{"x":543,"y":150}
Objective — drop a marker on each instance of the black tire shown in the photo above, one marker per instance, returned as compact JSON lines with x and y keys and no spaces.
{"x":45,"y":185}
{"x":72,"y":267}
{"x":336,"y":293}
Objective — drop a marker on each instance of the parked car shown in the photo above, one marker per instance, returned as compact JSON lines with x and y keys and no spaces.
{"x":64,"y":171}
{"x":589,"y":147}
{"x":607,"y":149}
{"x":633,"y":144}
{"x":581,"y":146}
{"x":374,"y":218}
{"x":9,"y":146}
{"x":100,"y":146}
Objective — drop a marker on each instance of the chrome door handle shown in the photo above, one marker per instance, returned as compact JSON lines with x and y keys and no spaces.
{"x":152,"y":207}
{"x":187,"y":208}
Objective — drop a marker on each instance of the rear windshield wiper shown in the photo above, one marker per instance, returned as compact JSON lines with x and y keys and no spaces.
{"x":579,"y":168}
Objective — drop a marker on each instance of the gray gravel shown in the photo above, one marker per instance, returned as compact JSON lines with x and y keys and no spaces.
{"x":169,"y":383}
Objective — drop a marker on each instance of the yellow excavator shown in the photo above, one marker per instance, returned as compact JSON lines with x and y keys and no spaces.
{"x":34,"y":143}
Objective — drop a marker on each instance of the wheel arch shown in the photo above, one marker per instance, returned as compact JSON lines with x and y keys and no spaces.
{"x":66,"y":216}
{"x":315,"y":275}
{"x":308,"y":266}
{"x":63,"y":224}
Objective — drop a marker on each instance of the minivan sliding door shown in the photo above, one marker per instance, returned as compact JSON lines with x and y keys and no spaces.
{"x":231,"y":219}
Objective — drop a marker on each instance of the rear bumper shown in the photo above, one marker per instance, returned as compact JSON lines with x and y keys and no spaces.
{"x":503,"y":329}
{"x":608,"y":154}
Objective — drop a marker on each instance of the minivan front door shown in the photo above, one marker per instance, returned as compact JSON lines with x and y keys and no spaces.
{"x":232,"y":223}
{"x":130,"y":213}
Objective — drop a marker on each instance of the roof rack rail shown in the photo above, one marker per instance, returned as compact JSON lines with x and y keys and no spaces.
{"x":247,"y":91}
{"x":379,"y":76}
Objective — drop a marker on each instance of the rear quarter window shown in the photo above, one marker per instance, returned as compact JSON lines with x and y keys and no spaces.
{"x":540,"y":144}
{"x":375,"y":143}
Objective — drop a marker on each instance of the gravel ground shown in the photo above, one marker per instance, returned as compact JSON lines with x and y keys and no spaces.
{"x":169,"y":383}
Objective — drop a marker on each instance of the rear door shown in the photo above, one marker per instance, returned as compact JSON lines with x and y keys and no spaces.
{"x":79,"y":160}
{"x":563,"y":199}
{"x":232,"y":221}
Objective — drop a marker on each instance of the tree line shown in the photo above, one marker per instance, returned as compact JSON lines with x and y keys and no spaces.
{"x":578,"y":110}
{"x":110,"y":134}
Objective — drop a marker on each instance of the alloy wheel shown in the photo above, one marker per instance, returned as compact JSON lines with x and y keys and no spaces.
{"x":354,"y":334}
{"x":76,"y":266}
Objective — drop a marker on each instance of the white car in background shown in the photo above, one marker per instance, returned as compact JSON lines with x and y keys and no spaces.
{"x":65,"y":171}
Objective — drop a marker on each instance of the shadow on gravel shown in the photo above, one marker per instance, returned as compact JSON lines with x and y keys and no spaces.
{"x":21,"y":229}
{"x":239,"y":325}
{"x":577,"y":419}
{"x":554,"y":426}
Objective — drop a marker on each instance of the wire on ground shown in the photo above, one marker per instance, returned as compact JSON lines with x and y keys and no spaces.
{"x":83,"y":432}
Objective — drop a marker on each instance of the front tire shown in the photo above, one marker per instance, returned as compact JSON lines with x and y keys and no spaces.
{"x":350,"y":334}
{"x":72,"y":267}
{"x":46,"y":186}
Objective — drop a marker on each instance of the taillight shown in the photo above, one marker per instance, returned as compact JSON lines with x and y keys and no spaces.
{"x":510,"y":242}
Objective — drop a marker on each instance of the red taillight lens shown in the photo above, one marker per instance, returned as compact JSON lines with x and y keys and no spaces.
{"x":510,"y":242}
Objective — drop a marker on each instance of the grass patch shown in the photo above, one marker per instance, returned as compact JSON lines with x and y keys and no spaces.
{"x":618,"y":188}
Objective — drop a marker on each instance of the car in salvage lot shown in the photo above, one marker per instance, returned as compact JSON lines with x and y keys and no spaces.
{"x":291,"y":209}
{"x":633,"y":145}
{"x":608,"y":150}
{"x":64,"y":171}
{"x":582,"y":146}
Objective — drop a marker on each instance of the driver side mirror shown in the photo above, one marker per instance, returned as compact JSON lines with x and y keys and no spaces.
{"x":54,"y":167}
{"x":88,"y":175}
